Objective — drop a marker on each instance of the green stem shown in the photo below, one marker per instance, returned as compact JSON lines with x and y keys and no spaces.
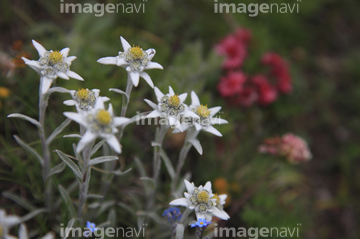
{"x":86,"y":170}
{"x":159,"y":138}
{"x":191,"y":134}
{"x":43,"y":102}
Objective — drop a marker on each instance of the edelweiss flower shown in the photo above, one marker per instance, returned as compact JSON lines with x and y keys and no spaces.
{"x":170,"y":106}
{"x":6,"y":222}
{"x":52,"y":64}
{"x":220,"y":202}
{"x":202,"y":200}
{"x":135,"y":60}
{"x":84,"y":99}
{"x":98,"y":123}
{"x":205,"y":117}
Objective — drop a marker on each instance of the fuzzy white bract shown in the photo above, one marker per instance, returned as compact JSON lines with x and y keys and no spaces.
{"x":6,"y":222}
{"x":171,"y":107}
{"x":98,"y":123}
{"x":85,"y":99}
{"x":52,"y":64}
{"x":202,"y":200}
{"x":135,"y":60}
{"x":206,"y":117}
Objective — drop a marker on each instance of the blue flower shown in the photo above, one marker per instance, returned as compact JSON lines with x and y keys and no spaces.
{"x":201,"y":223}
{"x":173,"y":214}
{"x":91,"y":226}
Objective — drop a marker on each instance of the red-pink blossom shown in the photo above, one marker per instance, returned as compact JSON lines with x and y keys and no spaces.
{"x":290,"y":146}
{"x":234,"y":51}
{"x":231,"y":84}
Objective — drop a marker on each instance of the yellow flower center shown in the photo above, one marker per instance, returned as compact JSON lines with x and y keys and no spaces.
{"x":136,"y":52}
{"x":203,"y":197}
{"x":55,"y":57}
{"x":203,"y":111}
{"x":4,"y":92}
{"x":83,"y":94}
{"x":103,"y":117}
{"x":201,"y":223}
{"x":217,"y":199}
{"x":174,"y":101}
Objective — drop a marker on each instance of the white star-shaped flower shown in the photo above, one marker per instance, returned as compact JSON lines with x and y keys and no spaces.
{"x":135,"y":60}
{"x":6,"y":222}
{"x":220,"y":202}
{"x":202,"y":200}
{"x":85,"y":99}
{"x":206,"y":117}
{"x":52,"y":64}
{"x":171,"y":107}
{"x":98,"y":123}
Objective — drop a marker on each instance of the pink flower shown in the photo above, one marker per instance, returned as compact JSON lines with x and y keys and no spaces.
{"x":243,"y":35}
{"x":231,"y":84}
{"x":290,"y":146}
{"x":280,"y":70}
{"x":266,"y":92}
{"x":247,"y":97}
{"x":234,"y":51}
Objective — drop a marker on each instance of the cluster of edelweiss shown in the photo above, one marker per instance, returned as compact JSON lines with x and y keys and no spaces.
{"x":98,"y":122}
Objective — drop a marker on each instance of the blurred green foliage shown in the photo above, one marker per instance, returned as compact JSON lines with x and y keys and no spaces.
{"x":321,"y":46}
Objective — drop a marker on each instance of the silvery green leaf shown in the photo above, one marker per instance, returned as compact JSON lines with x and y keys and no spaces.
{"x":97,"y":147}
{"x":102,"y":159}
{"x":72,"y":136}
{"x":24,"y":117}
{"x":96,"y":196}
{"x":140,"y":167}
{"x":197,"y":145}
{"x":168,"y":163}
{"x":73,"y":186}
{"x":105,"y":205}
{"x":118,"y":172}
{"x":68,"y":202}
{"x":93,"y":205}
{"x":57,"y":169}
{"x":57,"y":131}
{"x":112,"y":218}
{"x":29,"y":149}
{"x":69,"y":225}
{"x":77,"y":155}
{"x":70,"y":163}
{"x":32,"y":214}
{"x":87,"y":182}
{"x":126,"y":207}
{"x":19,"y":200}
{"x":120,"y":92}
{"x":179,"y":231}
{"x":151,"y":182}
{"x":57,"y":89}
